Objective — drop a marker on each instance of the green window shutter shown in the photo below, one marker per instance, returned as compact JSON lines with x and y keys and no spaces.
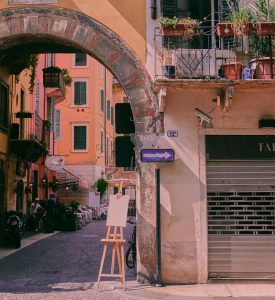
{"x":80,"y":88}
{"x":80,"y":142}
{"x":108,"y":109}
{"x":112,"y":115}
{"x":169,"y":8}
{"x":102,"y":100}
{"x":57,"y":124}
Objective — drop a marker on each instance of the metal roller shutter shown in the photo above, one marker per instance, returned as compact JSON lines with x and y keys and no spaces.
{"x":241,"y":224}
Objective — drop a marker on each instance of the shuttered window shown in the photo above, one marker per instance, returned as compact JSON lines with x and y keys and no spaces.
{"x":112,"y":115}
{"x":102,"y":100}
{"x":80,"y":92}
{"x":80,"y":137}
{"x":80,"y":60}
{"x":108,"y":112}
{"x":169,"y":8}
{"x":57,"y":124}
{"x":37,"y":98}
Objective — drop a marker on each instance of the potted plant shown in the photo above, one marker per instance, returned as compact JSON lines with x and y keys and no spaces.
{"x":263,"y":63}
{"x":232,"y":70}
{"x":179,"y":27}
{"x":237,"y":24}
{"x":265,"y":16}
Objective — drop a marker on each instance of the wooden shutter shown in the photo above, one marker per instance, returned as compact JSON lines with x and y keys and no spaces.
{"x":102,"y":100}
{"x":80,"y":93}
{"x":169,"y":8}
{"x":80,"y":138}
{"x":108,"y":110}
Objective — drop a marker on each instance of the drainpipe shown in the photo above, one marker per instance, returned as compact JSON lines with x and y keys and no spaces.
{"x":105,"y":117}
{"x":158,"y":229}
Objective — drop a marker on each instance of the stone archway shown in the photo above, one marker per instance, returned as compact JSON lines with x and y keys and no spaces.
{"x":71,"y":28}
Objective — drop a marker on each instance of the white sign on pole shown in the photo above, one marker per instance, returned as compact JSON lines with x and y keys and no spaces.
{"x":94,"y":199}
{"x":117,"y":211}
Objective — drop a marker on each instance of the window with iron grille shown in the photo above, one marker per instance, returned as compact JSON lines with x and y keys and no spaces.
{"x":101,"y":142}
{"x":80,"y":137}
{"x":80,"y":92}
{"x":80,"y":59}
{"x":4,"y":106}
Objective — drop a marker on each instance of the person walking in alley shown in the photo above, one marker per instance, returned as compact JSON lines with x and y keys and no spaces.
{"x":36,"y":212}
{"x":50,"y":213}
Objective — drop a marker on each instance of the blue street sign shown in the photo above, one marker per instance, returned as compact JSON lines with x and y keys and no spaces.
{"x":157,"y":155}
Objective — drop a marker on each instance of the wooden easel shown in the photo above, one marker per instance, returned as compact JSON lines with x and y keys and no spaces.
{"x":115,"y":239}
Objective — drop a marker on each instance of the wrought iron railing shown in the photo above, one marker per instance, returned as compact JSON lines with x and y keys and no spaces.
{"x":207,"y":55}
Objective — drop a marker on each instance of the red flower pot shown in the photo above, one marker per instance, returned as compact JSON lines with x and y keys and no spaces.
{"x":261,"y":67}
{"x":232,"y":70}
{"x":179,"y":30}
{"x":227,"y":29}
{"x":265,"y":28}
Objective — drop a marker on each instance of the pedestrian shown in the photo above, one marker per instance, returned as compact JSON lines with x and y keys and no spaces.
{"x":35,"y":213}
{"x":50,"y":213}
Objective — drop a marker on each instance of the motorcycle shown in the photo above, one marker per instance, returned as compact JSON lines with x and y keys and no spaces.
{"x":14,"y":229}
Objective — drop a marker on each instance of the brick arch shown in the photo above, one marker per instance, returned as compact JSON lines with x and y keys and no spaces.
{"x":71,"y":28}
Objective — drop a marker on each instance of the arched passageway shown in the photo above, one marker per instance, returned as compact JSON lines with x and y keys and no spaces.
{"x":56,"y":26}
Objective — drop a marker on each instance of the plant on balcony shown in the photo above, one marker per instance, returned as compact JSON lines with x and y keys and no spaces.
{"x":67,"y":78}
{"x":238,"y":21}
{"x":179,"y":27}
{"x":32,"y":65}
{"x":265,"y":18}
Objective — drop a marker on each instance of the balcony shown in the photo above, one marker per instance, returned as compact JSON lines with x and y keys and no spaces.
{"x":207,"y":56}
{"x":29,"y":136}
{"x":53,"y":81}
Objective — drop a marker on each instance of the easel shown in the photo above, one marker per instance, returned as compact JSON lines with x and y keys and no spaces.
{"x":114,"y":238}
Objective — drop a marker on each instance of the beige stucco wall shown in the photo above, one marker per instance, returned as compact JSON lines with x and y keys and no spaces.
{"x":183,"y":183}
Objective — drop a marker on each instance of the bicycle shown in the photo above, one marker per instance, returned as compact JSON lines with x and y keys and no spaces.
{"x":131,"y":254}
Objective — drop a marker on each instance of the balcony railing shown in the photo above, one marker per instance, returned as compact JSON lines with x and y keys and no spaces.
{"x":29,"y":136}
{"x":208,"y":56}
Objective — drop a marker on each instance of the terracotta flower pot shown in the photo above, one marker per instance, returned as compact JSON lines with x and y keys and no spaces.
{"x":261,"y":67}
{"x":232,"y":70}
{"x":265,"y":28}
{"x":180,"y":30}
{"x":228,"y":29}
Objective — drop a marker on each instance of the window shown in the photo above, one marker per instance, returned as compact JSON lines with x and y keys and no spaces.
{"x":101,"y":141}
{"x":80,"y":137}
{"x":57,"y":125}
{"x":50,"y":111}
{"x":112,"y":115}
{"x":108,"y":112}
{"x":102,"y":98}
{"x":80,"y":92}
{"x":37,"y":98}
{"x":80,"y":59}
{"x":4,"y":107}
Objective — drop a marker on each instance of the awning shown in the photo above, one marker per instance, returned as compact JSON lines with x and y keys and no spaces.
{"x":66,"y":177}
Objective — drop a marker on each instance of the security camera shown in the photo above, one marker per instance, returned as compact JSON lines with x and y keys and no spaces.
{"x":204,"y":118}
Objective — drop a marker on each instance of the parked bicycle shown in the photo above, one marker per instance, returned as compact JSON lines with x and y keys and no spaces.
{"x":131,"y":254}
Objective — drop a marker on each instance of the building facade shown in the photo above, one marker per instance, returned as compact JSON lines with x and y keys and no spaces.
{"x":217,"y":196}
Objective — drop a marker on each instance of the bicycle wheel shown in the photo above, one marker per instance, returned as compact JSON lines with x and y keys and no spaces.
{"x":130,"y":259}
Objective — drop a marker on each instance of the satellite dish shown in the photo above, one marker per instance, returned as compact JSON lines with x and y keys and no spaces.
{"x":54,"y":162}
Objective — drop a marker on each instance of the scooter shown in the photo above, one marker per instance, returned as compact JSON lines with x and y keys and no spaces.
{"x":14,"y":229}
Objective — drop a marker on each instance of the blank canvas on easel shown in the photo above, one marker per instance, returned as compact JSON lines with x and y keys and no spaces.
{"x":117,"y":211}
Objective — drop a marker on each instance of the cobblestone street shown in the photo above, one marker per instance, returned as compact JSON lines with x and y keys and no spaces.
{"x":62,"y":266}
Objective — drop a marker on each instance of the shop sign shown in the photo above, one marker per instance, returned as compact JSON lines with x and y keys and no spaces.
{"x":240,"y":146}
